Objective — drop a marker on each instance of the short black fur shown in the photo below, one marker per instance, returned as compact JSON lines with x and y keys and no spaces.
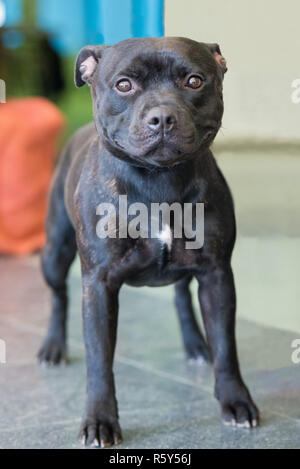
{"x":152,"y":145}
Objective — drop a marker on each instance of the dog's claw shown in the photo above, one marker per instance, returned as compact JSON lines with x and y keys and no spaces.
{"x":244,"y":424}
{"x":96,"y":443}
{"x":52,"y":353}
{"x":105,"y":444}
{"x":229,"y":423}
{"x":118,"y":441}
{"x":100,"y":435}
{"x":198,"y":361}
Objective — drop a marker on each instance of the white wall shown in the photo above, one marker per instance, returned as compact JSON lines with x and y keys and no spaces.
{"x":261,"y":42}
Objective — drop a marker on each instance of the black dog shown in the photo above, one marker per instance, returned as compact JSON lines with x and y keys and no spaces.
{"x":158,"y":106}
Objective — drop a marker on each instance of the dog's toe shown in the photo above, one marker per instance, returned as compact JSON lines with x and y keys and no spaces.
{"x":240,"y":415}
{"x":100,"y":435}
{"x":52,"y":353}
{"x":198,"y":353}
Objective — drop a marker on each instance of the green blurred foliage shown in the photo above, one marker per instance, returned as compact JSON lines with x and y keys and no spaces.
{"x":29,"y":8}
{"x":75,"y":103}
{"x":31,"y":68}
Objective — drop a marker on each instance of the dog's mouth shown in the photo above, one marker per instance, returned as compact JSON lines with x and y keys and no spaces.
{"x":159,"y":146}
{"x":163,"y":151}
{"x":148,"y":146}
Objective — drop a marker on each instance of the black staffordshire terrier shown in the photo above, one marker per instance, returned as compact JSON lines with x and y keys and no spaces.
{"x":158,"y":106}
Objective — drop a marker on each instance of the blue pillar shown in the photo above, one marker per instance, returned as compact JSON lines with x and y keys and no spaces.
{"x":122,"y":19}
{"x":116,"y":20}
{"x":65,"y":21}
{"x":75,"y":23}
{"x":14,"y":12}
{"x":148,"y":18}
{"x":93,"y":23}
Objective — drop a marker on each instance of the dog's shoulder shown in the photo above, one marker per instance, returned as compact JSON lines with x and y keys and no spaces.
{"x":82,"y":138}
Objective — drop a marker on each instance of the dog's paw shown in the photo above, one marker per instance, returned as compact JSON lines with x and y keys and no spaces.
{"x":100,"y":434}
{"x":53,"y":352}
{"x":238,"y":408}
{"x":241,"y":415}
{"x":197,"y":352}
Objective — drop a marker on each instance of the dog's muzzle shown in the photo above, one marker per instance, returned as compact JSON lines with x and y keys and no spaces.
{"x":161,"y":120}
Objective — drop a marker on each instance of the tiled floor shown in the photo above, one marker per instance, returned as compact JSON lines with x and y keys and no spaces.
{"x":165,"y":403}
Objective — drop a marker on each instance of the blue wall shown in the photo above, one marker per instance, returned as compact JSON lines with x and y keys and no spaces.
{"x":64,"y":21}
{"x":75,"y":23}
{"x":14,"y":11}
{"x":147,"y":18}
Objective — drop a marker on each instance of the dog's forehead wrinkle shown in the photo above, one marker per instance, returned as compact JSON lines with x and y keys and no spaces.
{"x":184,"y":49}
{"x":149,"y":65}
{"x":145,"y":62}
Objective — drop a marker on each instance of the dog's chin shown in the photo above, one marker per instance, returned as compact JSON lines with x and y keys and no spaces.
{"x":163,"y":155}
{"x":166,"y":155}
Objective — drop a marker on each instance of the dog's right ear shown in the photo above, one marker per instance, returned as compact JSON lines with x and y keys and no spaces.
{"x":86,"y":64}
{"x":216,"y":51}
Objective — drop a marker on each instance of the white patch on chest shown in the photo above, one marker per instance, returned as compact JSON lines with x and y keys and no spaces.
{"x":165,"y":237}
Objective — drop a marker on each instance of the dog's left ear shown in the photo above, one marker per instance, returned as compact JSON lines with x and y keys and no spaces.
{"x":86,"y":64}
{"x":216,"y":51}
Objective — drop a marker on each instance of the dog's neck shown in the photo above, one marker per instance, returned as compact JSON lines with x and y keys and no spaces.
{"x":179,"y":183}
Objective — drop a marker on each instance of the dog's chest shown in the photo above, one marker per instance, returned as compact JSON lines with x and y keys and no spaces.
{"x":165,"y":237}
{"x":164,"y":260}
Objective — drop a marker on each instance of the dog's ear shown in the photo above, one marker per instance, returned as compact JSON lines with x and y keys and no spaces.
{"x":86,"y":64}
{"x":216,"y":51}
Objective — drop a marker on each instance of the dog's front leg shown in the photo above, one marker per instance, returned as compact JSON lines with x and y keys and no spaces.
{"x":100,"y":425}
{"x":218,"y":305}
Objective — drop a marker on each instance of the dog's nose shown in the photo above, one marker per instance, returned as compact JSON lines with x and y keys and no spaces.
{"x":161,"y":119}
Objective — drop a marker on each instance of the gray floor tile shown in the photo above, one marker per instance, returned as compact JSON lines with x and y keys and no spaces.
{"x":164,"y":403}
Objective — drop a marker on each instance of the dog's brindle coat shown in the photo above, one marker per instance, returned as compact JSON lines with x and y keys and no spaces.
{"x":158,"y":106}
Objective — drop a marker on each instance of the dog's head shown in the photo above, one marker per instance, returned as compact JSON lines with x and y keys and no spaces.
{"x":156,"y":101}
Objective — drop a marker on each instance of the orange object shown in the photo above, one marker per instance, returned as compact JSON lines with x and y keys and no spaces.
{"x":29,"y":129}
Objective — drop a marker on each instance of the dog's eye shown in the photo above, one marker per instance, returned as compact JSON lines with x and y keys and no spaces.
{"x":124,"y":86}
{"x":194,"y":82}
